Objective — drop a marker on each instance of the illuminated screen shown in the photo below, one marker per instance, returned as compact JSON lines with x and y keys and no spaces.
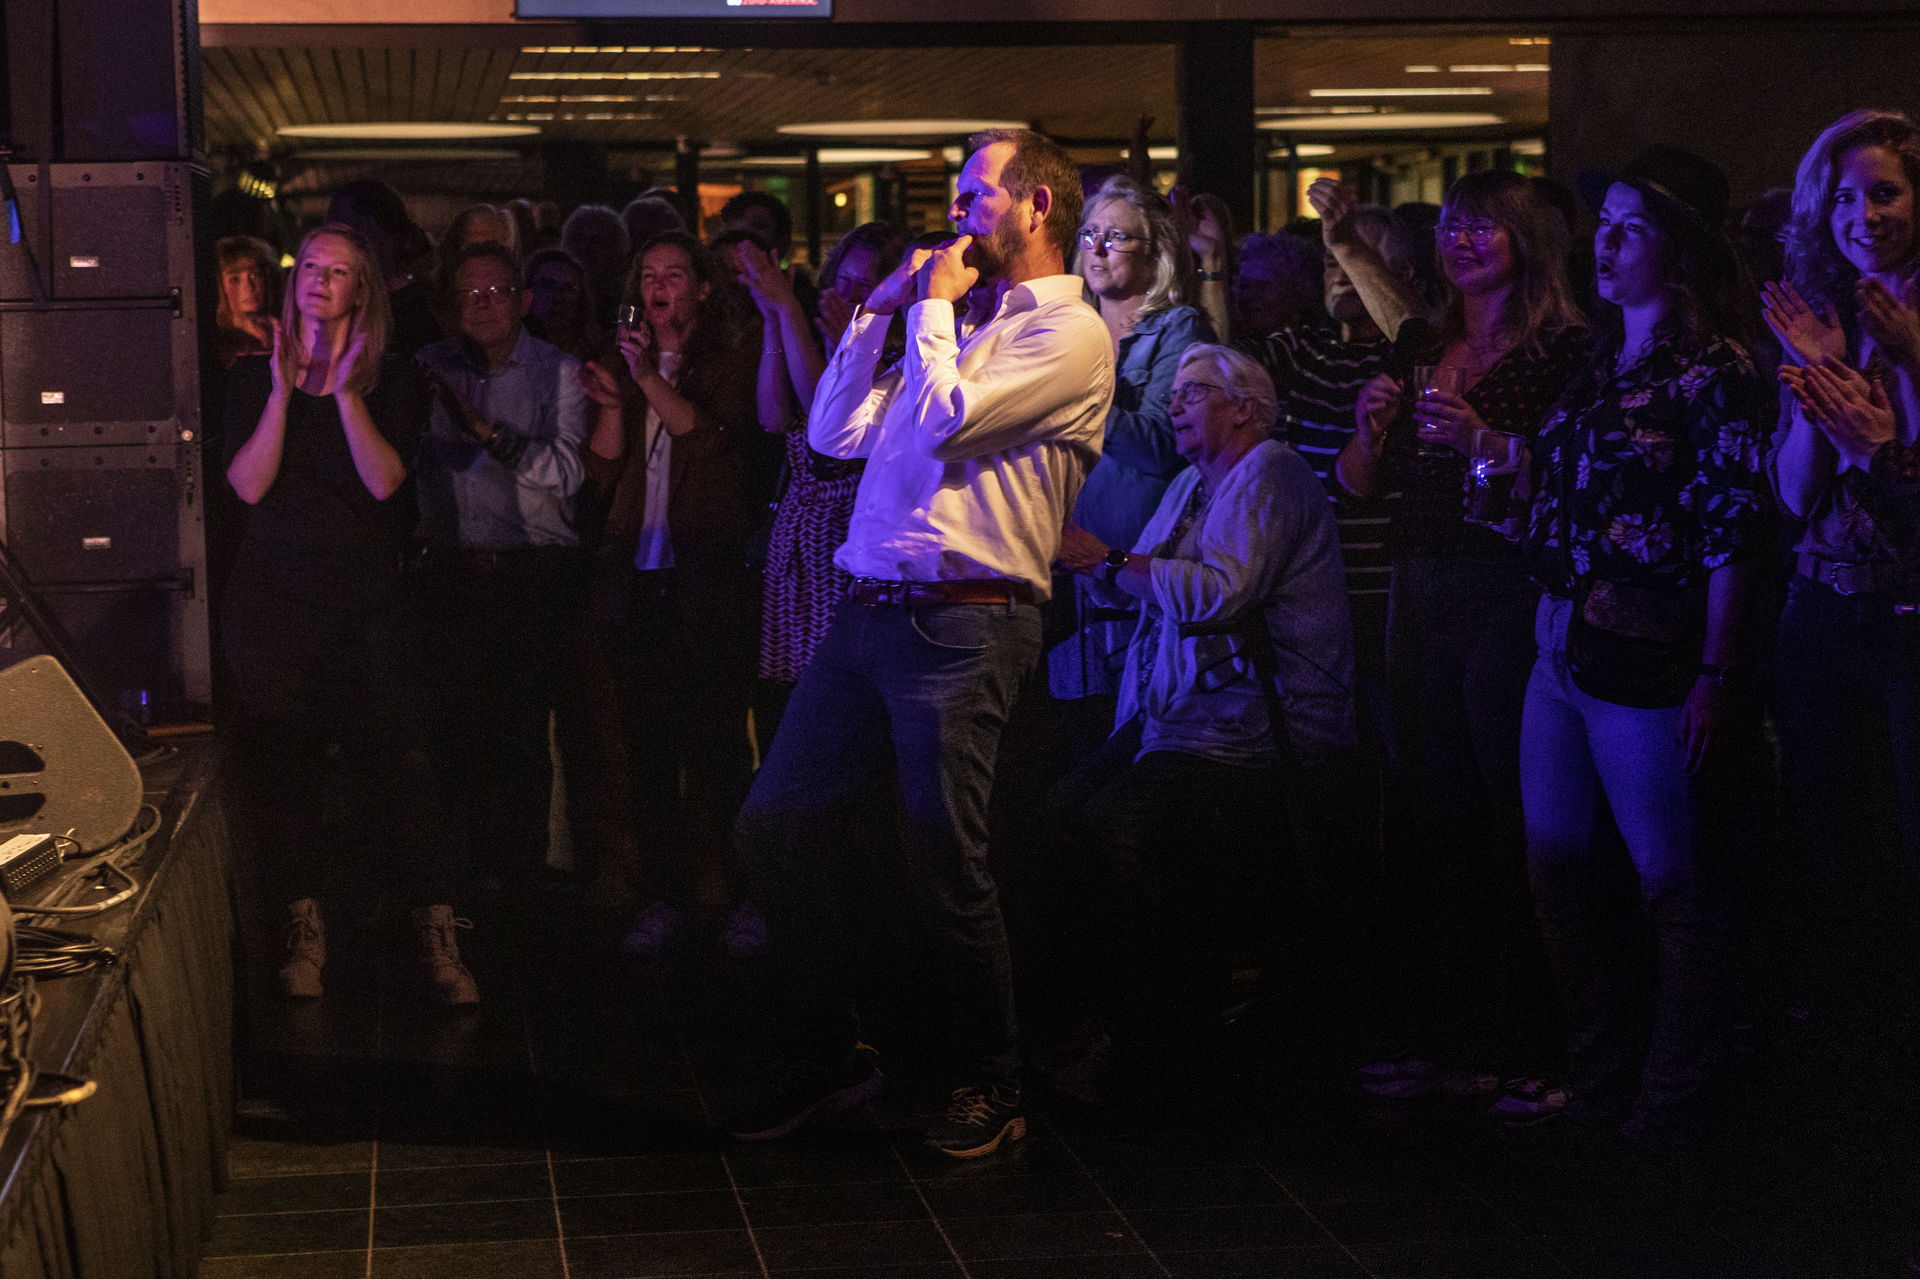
{"x":673,"y":8}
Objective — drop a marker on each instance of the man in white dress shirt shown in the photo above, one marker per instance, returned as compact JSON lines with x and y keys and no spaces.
{"x":975,"y":451}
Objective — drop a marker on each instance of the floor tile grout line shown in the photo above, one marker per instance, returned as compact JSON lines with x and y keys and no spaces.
{"x":379,"y":1114}
{"x":1322,"y":1226}
{"x":1087,"y":1172}
{"x":726,"y":1164}
{"x":913,"y":1183}
{"x":546,"y":1149}
{"x":1487,"y":1202}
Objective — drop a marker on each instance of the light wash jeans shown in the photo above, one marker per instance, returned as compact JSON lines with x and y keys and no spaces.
{"x":1578,"y":752}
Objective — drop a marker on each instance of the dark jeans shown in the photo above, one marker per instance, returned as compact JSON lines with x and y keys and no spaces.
{"x":1460,"y":650}
{"x":680,"y":645}
{"x":1585,"y":759}
{"x":492,"y":627}
{"x":1162,"y":852}
{"x":1847,"y":704}
{"x":934,"y":685}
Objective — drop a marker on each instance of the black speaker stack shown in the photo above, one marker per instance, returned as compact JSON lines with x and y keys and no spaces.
{"x":101,"y":479}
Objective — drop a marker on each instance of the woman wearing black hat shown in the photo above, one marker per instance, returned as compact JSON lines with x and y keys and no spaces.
{"x":1650,"y":509}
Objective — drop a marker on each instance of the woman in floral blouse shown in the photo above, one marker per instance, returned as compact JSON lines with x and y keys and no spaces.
{"x":1650,"y":514}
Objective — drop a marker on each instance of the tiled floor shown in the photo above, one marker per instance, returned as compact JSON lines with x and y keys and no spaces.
{"x":564,"y":1130}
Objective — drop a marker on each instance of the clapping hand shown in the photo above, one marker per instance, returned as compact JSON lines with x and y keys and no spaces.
{"x":1805,"y":334}
{"x":349,"y":364}
{"x":770,"y":287}
{"x":1851,"y":410}
{"x":1893,"y":323}
{"x":274,"y":365}
{"x":597,"y":384}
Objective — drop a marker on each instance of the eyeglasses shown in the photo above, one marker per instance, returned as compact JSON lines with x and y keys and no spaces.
{"x":492,"y":293}
{"x":1112,"y":241}
{"x":1185,"y":393}
{"x":1480,"y":231}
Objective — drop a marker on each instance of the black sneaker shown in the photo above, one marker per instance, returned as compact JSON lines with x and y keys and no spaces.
{"x":977,"y":1121}
{"x":802,"y":1089}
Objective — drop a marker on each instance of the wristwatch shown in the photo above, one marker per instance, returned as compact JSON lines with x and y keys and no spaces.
{"x":1116,"y":559}
{"x":1713,"y":671}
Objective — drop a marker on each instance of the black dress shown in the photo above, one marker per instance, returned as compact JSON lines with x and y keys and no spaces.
{"x":334,"y":760}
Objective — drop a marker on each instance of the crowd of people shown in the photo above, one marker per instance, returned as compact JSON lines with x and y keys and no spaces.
{"x":1370,"y":578}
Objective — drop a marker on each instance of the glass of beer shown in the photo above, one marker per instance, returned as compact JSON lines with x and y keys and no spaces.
{"x":1492,"y":468}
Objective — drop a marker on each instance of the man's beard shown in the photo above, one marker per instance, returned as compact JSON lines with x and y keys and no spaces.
{"x":989,"y":255}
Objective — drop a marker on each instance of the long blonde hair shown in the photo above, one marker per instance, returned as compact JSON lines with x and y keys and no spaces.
{"x":370,"y":321}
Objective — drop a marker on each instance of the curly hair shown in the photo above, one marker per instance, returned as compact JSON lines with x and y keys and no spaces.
{"x":1815,"y":265}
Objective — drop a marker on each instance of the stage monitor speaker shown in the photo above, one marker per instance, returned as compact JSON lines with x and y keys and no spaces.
{"x":62,"y":771}
{"x":94,"y":80}
{"x":118,"y":230}
{"x":113,"y":540}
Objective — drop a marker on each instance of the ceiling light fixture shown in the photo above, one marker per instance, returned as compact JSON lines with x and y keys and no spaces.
{"x":406,"y":155}
{"x":1423,"y":69}
{"x":1422,"y":91}
{"x":572,"y":97}
{"x":408,"y":131}
{"x":1315,"y":110}
{"x":1399,"y":120}
{"x":894,"y":128}
{"x":613,"y":75}
{"x":619,"y":48}
{"x":1495,"y":68}
{"x":1305,"y":151}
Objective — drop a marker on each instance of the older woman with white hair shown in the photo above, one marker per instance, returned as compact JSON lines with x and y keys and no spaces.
{"x":1135,"y":262}
{"x":1239,"y":673}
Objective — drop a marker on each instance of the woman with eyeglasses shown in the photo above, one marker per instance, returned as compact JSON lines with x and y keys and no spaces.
{"x":1238,"y":676}
{"x":1135,"y":262}
{"x":1847,"y":693}
{"x":320,"y":434}
{"x":1504,"y":344}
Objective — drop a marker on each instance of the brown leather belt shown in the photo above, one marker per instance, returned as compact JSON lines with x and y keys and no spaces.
{"x":875,"y":592}
{"x":1845,"y":579}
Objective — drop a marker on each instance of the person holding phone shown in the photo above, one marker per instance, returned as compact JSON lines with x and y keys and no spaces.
{"x":672,"y":595}
{"x":321,"y":433}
